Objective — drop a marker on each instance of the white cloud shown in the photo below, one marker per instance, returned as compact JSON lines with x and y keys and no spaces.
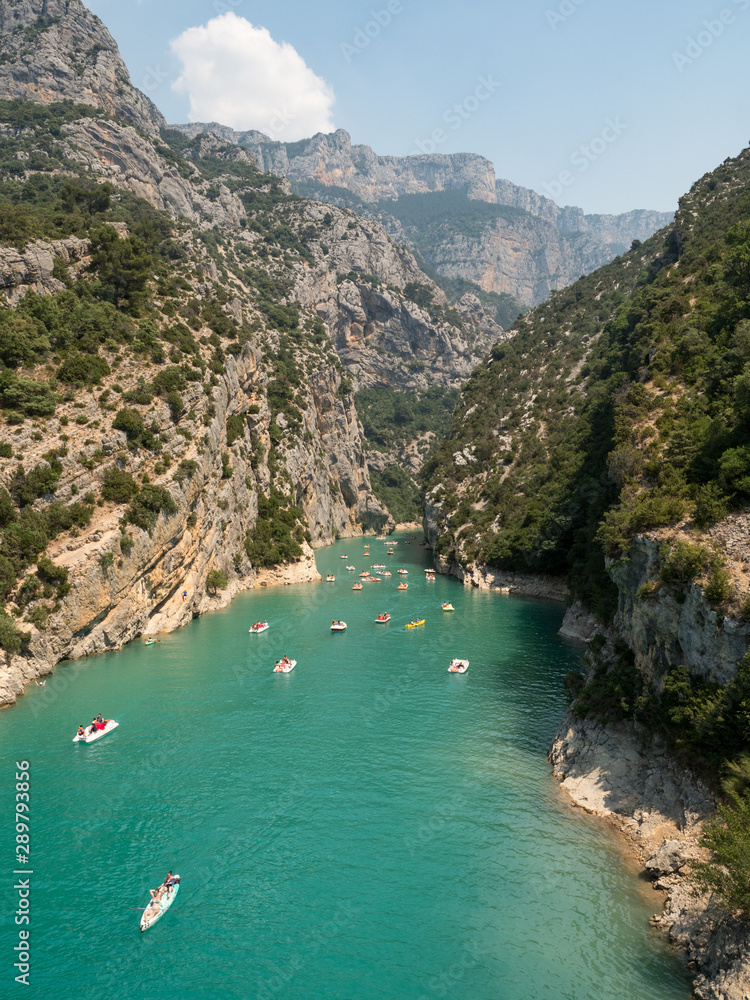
{"x":237,"y":75}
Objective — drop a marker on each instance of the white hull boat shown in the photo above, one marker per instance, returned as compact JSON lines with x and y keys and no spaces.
{"x":458,"y":666}
{"x":150,"y":917}
{"x":285,"y":668}
{"x":257,"y":629}
{"x":92,"y":735}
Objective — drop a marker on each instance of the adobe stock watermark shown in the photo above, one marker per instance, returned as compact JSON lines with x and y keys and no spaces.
{"x":367,"y":33}
{"x":712,"y":29}
{"x":564,"y":12}
{"x":457,"y":114}
{"x":583,"y":157}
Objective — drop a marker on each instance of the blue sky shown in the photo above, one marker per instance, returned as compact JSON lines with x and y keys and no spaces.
{"x":607,"y":104}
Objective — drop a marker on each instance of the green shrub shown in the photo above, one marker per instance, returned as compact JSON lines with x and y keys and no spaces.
{"x":683,"y":563}
{"x":48,"y":572}
{"x":83,"y":369}
{"x":711,"y":505}
{"x":273,"y":540}
{"x":131,"y":422}
{"x":727,"y":836}
{"x":145,"y":508}
{"x":7,"y":577}
{"x":235,"y":428}
{"x":719,"y":584}
{"x":42,"y":480}
{"x":185,"y":470}
{"x":216,"y":580}
{"x":170,"y":379}
{"x":11,"y":637}
{"x":119,"y":486}
{"x":31,"y":399}
{"x":38,"y":616}
{"x":28,"y":591}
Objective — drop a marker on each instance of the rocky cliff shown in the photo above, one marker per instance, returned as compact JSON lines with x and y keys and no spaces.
{"x":53,"y":50}
{"x":663,"y":627}
{"x":605,"y":440}
{"x":127,"y":579}
{"x":625,"y":776}
{"x":539,"y":248}
{"x":180,"y":351}
{"x":332,"y":161}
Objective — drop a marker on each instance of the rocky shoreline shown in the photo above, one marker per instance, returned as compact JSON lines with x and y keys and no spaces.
{"x":173,"y":614}
{"x":628,"y":778}
{"x":522,"y":585}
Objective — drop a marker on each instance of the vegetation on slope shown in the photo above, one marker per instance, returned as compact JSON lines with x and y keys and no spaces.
{"x":620,"y":405}
{"x":400,"y":423}
{"x":136,"y":327}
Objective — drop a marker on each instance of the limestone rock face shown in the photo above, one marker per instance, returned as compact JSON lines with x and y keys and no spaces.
{"x":617,"y":231}
{"x":53,"y":50}
{"x":520,"y":256}
{"x":672,"y":856}
{"x":621,"y":774}
{"x":119,"y":592}
{"x":32,"y":267}
{"x":381,"y":337}
{"x":539,"y":248}
{"x":332,"y":160}
{"x":663,"y":633}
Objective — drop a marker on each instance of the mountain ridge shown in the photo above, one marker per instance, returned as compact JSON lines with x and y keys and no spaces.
{"x":525,"y":258}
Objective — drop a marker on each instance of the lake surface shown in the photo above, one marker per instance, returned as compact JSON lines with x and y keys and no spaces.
{"x":368,"y":827}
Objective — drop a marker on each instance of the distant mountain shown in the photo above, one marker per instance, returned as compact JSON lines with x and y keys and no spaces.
{"x":451,"y":209}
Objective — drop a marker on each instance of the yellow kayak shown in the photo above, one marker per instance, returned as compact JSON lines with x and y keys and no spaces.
{"x":415,"y":624}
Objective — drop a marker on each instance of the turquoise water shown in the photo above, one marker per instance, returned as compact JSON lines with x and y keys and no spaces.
{"x":368,"y":827}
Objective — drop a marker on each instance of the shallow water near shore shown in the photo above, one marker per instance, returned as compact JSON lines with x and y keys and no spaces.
{"x":368,"y":827}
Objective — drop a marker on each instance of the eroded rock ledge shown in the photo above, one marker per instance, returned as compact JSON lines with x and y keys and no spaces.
{"x":522,"y":584}
{"x":625,"y":776}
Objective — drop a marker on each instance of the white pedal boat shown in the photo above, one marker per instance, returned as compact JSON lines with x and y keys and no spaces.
{"x":150,"y":916}
{"x":458,"y":666}
{"x":92,"y":735}
{"x":258,"y":628}
{"x":285,"y":668}
{"x":338,"y":626}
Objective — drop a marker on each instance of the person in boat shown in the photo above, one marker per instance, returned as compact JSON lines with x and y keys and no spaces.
{"x":169,"y":882}
{"x":100,"y":720}
{"x":81,"y":731}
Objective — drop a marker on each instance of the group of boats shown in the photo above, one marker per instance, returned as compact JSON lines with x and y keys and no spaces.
{"x":285,"y":665}
{"x":374,"y":574}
